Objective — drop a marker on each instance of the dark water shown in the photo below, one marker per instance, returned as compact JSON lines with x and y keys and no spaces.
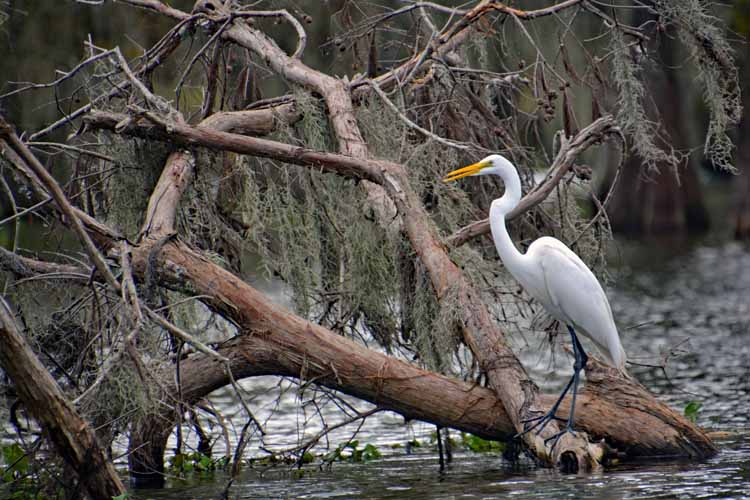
{"x":691,"y":309}
{"x":475,"y":476}
{"x":697,"y":307}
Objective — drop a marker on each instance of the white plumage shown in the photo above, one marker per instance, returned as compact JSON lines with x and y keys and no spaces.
{"x":555,"y":276}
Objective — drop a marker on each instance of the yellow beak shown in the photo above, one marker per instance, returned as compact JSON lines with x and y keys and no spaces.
{"x":465,"y":172}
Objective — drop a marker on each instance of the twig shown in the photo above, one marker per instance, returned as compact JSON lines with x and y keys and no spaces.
{"x":327,"y":429}
{"x":196,"y":56}
{"x":209,"y":408}
{"x":65,"y":75}
{"x":601,"y":206}
{"x":182,"y":334}
{"x":238,"y":392}
{"x":411,"y":124}
{"x":83,"y":151}
{"x":588,"y":6}
{"x":301,"y":34}
{"x":157,"y":6}
{"x":158,"y":102}
{"x":532,"y":14}
{"x":12,"y":200}
{"x":240,"y":449}
{"x":51,"y":185}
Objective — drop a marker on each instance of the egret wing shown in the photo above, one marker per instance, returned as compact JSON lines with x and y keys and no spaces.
{"x":578,"y":297}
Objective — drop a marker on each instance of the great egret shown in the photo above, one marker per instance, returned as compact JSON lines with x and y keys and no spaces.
{"x":557,"y":278}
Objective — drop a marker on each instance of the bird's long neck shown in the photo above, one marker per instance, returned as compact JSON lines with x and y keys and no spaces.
{"x":507,"y":250}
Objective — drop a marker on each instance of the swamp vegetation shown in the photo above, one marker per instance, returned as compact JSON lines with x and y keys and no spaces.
{"x":212,"y":196}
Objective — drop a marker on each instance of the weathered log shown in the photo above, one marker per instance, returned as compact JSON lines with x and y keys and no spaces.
{"x":72,"y":436}
{"x":632,"y":422}
{"x":276,"y":342}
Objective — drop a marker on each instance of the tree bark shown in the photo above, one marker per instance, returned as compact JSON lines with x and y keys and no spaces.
{"x":72,"y":436}
{"x":276,"y":342}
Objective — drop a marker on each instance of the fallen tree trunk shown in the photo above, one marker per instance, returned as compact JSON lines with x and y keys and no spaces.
{"x":276,"y":342}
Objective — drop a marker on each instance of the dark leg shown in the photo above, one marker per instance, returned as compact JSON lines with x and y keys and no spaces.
{"x":580,"y":363}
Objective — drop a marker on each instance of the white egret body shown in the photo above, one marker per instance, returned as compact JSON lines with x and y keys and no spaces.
{"x":555,"y":276}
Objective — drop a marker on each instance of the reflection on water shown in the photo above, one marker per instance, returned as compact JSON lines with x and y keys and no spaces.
{"x":693,"y":309}
{"x":473,"y":476}
{"x":698,"y":307}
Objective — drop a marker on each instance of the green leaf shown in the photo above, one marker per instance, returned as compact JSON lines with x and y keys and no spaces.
{"x":692,"y":409}
{"x":17,"y":462}
{"x":370,"y":452}
{"x":479,"y":445}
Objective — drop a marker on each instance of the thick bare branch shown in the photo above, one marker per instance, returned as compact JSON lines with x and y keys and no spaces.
{"x":274,"y":341}
{"x":259,"y":121}
{"x":277,"y":342}
{"x":161,"y":214}
{"x":186,"y":135}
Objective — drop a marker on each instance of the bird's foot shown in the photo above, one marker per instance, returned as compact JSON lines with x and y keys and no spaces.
{"x":541,"y":423}
{"x":556,"y":437}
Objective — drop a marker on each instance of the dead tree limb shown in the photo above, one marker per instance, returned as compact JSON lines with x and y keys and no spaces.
{"x":276,"y":342}
{"x":72,"y":436}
